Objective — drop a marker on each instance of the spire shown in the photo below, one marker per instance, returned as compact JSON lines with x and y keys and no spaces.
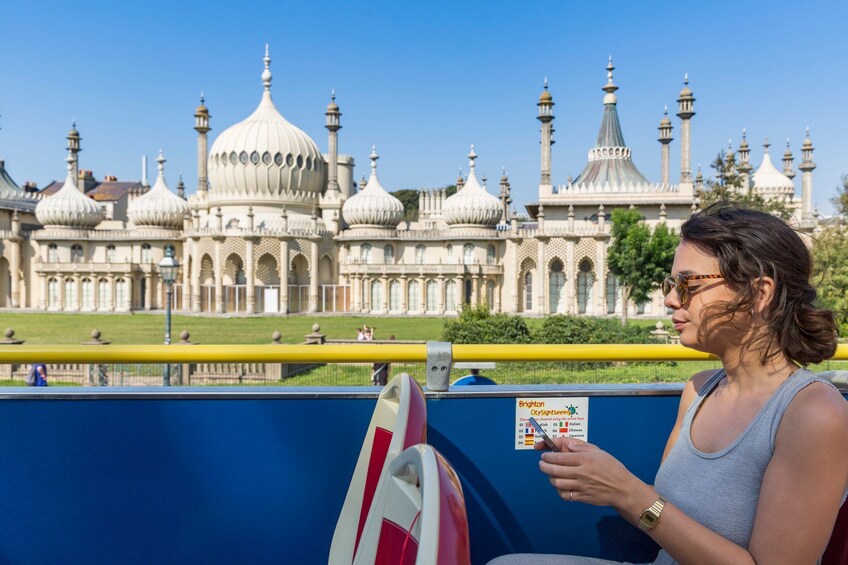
{"x":766,"y":145}
{"x":788,"y":162}
{"x":373,"y":158}
{"x":609,"y":87}
{"x":471,"y":157}
{"x":266,"y":74}
{"x":161,"y":160}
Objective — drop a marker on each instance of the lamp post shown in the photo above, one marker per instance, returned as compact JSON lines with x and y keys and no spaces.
{"x":168,"y":269}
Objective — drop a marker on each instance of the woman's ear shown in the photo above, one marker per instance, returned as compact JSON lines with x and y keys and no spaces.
{"x":764,"y":289}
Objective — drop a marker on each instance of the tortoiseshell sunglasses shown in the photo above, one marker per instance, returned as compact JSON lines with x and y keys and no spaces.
{"x":680,"y":284}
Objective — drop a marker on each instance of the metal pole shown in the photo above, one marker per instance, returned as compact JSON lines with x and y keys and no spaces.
{"x":166,"y":377}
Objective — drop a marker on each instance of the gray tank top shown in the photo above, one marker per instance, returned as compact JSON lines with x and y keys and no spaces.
{"x":721,"y":490}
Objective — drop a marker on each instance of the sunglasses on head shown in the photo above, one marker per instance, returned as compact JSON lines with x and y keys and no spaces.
{"x":680,"y":284}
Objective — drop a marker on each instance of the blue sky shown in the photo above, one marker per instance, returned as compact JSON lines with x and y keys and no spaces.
{"x":421,"y":81}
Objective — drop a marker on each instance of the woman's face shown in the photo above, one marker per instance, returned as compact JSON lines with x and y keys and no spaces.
{"x":689,"y":259}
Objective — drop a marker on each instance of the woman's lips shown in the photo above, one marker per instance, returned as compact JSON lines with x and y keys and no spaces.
{"x":678,"y":325}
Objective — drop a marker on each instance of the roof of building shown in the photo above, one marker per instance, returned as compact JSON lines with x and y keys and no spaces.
{"x":13,"y":196}
{"x":106,"y":191}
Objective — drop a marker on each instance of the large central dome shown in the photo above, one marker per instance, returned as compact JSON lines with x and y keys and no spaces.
{"x":265,"y":159}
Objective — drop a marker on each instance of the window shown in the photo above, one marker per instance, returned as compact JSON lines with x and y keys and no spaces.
{"x":490,"y":294}
{"x":76,"y":253}
{"x":121,"y":297}
{"x":52,"y":293}
{"x":365,"y":253}
{"x":110,"y":253}
{"x":420,"y":250}
{"x":376,"y":295}
{"x":468,"y":254}
{"x":585,"y":283}
{"x":469,"y":291}
{"x":52,"y":253}
{"x":146,"y":256}
{"x":556,"y":286}
{"x":413,"y":295}
{"x":70,"y":293}
{"x":87,"y":294}
{"x":449,"y":251}
{"x":528,"y":291}
{"x":394,"y":296}
{"x":450,"y":296}
{"x":431,"y":296}
{"x":490,"y":255}
{"x":104,"y":292}
{"x":388,"y":255}
{"x":612,"y":293}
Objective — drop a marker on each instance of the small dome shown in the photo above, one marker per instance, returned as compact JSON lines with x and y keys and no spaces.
{"x":686,"y":91}
{"x":332,"y":107}
{"x":471,"y":205}
{"x":69,"y":207}
{"x":159,"y":207}
{"x":545,"y":97}
{"x":373,"y":206}
{"x":768,"y":180}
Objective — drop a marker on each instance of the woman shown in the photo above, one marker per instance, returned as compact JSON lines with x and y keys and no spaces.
{"x":756,"y":466}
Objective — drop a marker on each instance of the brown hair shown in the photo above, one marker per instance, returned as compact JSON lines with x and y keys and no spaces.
{"x":750,"y":245}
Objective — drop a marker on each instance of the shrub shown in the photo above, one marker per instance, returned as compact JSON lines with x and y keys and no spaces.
{"x":478,"y":325}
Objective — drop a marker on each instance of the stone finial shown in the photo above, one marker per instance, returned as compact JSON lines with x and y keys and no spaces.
{"x":95,"y":339}
{"x":316,"y":328}
{"x":10,"y":338}
{"x":276,"y":337}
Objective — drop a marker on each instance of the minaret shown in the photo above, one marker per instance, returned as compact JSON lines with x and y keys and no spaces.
{"x":685,"y":111}
{"x":665,"y":139}
{"x":201,"y":126}
{"x":460,"y":182}
{"x":699,"y":179}
{"x":506,"y":199}
{"x":788,"y":162}
{"x":744,"y":163}
{"x":333,"y":126}
{"x":806,"y":167}
{"x":181,"y":187}
{"x":74,"y":149}
{"x":546,"y":116}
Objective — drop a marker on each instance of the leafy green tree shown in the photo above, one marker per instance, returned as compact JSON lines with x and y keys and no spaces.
{"x":830,"y":261}
{"x":729,"y":184}
{"x":639,"y":257}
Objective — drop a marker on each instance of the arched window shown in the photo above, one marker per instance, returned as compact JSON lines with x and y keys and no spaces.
{"x":431,"y":296}
{"x":388,"y":255}
{"x":585,"y":284}
{"x":490,"y":294}
{"x":76,"y":253}
{"x":110,"y":253}
{"x":376,"y":295}
{"x":420,"y":251}
{"x":468,"y":253}
{"x":365,"y":253}
{"x":70,"y":294}
{"x":146,"y":256}
{"x":450,"y":296}
{"x":490,"y":255}
{"x":413,"y":296}
{"x":87,"y":294}
{"x":104,"y":293}
{"x":121,"y":296}
{"x":528,"y":291}
{"x":394,"y":295}
{"x":52,"y":293}
{"x":556,"y":285}
{"x":612,"y":293}
{"x":52,"y":253}
{"x":469,"y":289}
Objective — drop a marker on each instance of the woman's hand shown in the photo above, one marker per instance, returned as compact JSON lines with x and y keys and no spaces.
{"x":582,"y":472}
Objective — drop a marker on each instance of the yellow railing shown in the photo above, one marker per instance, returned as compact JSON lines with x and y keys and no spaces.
{"x":346,"y":353}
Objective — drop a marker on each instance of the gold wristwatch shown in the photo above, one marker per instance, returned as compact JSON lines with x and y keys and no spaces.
{"x":650,"y":516}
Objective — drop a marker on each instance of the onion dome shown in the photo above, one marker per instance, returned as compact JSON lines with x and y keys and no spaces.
{"x":665,"y":121}
{"x":545,"y":97}
{"x":685,"y":91}
{"x":69,"y":207}
{"x":332,"y":106}
{"x":265,"y":158}
{"x":768,"y":180}
{"x":471,"y":205}
{"x":373,"y":206}
{"x":159,"y":207}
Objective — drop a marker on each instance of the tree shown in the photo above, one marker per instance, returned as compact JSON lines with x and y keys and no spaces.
{"x":830,"y":261}
{"x":638,"y":257}
{"x":729,"y":184}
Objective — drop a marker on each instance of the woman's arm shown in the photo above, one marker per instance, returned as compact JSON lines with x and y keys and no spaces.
{"x":799,"y":500}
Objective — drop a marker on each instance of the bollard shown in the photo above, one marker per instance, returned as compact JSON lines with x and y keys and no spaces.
{"x":102,"y":375}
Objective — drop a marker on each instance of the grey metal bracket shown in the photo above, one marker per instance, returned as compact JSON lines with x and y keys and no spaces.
{"x":439,"y":360}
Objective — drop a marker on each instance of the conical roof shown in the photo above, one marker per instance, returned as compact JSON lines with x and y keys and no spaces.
{"x":769,"y":181}
{"x":12,"y":194}
{"x":159,"y":207}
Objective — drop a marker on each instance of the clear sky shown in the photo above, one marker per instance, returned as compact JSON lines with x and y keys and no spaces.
{"x":422,"y":81}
